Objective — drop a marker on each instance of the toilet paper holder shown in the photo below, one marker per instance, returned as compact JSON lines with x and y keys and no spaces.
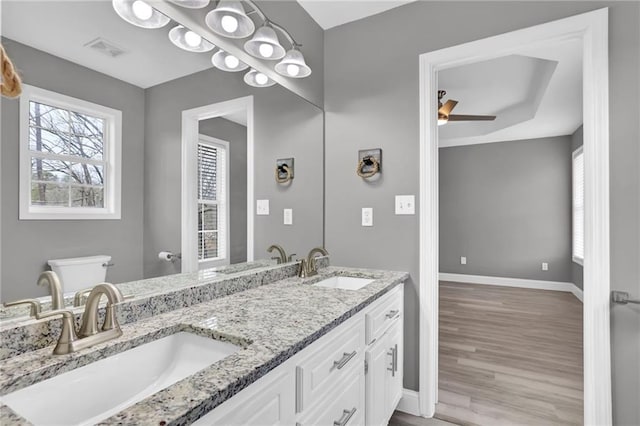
{"x":169,"y":256}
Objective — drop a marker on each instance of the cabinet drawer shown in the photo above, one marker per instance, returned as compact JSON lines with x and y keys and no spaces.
{"x":344,"y":406}
{"x":318,"y":374}
{"x":269,"y":401}
{"x":384,"y":314}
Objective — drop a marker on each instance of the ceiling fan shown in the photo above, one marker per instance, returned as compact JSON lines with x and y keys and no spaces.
{"x":444,"y":112}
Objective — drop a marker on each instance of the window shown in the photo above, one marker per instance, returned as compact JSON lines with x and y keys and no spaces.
{"x":578,"y":206}
{"x":69,"y":157}
{"x":213,"y":201}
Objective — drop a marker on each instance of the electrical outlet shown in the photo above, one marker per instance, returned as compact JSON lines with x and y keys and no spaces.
{"x":463,"y":260}
{"x":405,"y":204}
{"x":545,"y":266}
{"x":262,"y":207}
{"x":288,"y":216}
{"x":367,"y":216}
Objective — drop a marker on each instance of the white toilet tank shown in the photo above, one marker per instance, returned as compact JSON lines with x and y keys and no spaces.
{"x":78,"y":273}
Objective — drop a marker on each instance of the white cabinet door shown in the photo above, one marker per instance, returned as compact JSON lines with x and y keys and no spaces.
{"x":378,"y":360}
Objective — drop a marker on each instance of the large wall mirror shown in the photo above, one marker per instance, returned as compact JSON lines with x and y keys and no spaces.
{"x":164,"y":192}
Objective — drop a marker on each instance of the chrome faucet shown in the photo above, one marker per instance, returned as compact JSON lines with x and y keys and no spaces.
{"x":51,"y":280}
{"x":89,"y":334}
{"x":282,"y":255}
{"x":308,"y":267}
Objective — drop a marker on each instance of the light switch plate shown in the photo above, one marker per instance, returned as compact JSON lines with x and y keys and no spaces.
{"x":262,"y":207}
{"x":545,"y":266}
{"x":367,"y":216}
{"x":405,"y":204}
{"x":463,"y":260}
{"x":288,"y":216}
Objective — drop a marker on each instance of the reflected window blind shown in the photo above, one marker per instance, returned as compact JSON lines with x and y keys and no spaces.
{"x":211,"y":202}
{"x":578,"y":206}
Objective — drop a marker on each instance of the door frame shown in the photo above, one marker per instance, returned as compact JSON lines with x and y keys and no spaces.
{"x":592,"y":30}
{"x":190,"y":137}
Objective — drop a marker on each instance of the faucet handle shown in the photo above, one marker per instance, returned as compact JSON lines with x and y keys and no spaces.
{"x":77,"y":299}
{"x":36,"y":307}
{"x":302,"y":272}
{"x":290,"y":258}
{"x":68,"y":332}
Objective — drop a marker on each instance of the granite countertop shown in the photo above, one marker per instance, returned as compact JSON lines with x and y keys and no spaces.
{"x":271,"y":323}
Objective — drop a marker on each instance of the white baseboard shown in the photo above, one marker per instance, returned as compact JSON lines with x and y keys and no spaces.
{"x":513,"y":282}
{"x":409,"y":403}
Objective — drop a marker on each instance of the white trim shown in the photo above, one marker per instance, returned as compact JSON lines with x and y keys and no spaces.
{"x":210,"y":263}
{"x":577,"y":259}
{"x":409,"y":402}
{"x":512,"y":282}
{"x":592,"y":29}
{"x":112,"y":159}
{"x":190,"y":132}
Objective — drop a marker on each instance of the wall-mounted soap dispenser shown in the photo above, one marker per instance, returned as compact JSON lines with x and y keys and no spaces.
{"x":284,"y":170}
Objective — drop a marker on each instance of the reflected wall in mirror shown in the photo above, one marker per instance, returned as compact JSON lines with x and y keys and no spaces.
{"x":59,"y":46}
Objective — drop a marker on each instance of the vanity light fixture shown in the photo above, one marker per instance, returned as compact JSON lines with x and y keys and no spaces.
{"x":230,"y":20}
{"x":264,"y":44}
{"x":257,"y":79}
{"x":139,"y":13}
{"x":188,"y":40}
{"x":191,"y":4}
{"x":293,"y":64}
{"x":227,"y":62}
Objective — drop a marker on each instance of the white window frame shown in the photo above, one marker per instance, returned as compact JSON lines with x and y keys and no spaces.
{"x":112,"y":157}
{"x":226,"y":241}
{"x":577,"y":259}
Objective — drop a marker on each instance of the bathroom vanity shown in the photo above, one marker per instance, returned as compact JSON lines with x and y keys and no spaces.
{"x":300,"y":353}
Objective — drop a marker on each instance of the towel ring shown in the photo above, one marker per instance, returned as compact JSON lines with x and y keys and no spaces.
{"x":368,"y":161}
{"x":283,"y":168}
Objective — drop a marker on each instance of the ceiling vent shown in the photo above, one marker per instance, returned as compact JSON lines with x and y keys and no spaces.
{"x":105,"y":47}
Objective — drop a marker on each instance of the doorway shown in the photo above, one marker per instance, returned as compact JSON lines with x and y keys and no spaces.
{"x":592,"y":32}
{"x":209,"y":170}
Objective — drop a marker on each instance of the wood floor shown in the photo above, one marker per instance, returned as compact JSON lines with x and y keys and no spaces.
{"x":509,"y":356}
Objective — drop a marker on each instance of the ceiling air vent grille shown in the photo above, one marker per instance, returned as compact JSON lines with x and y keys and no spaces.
{"x":105,"y":47}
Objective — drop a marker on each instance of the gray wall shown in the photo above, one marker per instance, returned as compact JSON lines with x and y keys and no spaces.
{"x":28,"y":244}
{"x":507,"y":207}
{"x":372,"y":100}
{"x":236,"y":135}
{"x":576,"y":269}
{"x":285,"y":126}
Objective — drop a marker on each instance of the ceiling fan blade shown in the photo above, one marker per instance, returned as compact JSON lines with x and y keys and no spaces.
{"x":448,"y":107}
{"x":457,"y":117}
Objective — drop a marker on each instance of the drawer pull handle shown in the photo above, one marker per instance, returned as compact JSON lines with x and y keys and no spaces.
{"x":346,"y":416}
{"x":346,"y":357}
{"x":393,"y":352}
{"x":392,"y":314}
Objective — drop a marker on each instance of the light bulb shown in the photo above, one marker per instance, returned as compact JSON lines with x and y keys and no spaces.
{"x":192,"y":39}
{"x":442,"y":121}
{"x":261,"y":78}
{"x":229,"y":23}
{"x":231,"y":61}
{"x":266,"y":50}
{"x":293,"y":69}
{"x":142,"y":10}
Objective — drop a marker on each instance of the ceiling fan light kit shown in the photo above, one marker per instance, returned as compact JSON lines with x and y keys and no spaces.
{"x":228,"y":19}
{"x":445,"y":116}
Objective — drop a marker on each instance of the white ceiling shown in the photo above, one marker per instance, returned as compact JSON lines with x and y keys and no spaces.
{"x":535,"y":93}
{"x":62,"y":28}
{"x":331,"y":13}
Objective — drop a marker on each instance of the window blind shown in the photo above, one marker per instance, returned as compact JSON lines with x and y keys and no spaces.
{"x":211,"y":202}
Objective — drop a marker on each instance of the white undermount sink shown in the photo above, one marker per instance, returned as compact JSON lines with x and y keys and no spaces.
{"x":99,"y":390}
{"x":345,"y":283}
